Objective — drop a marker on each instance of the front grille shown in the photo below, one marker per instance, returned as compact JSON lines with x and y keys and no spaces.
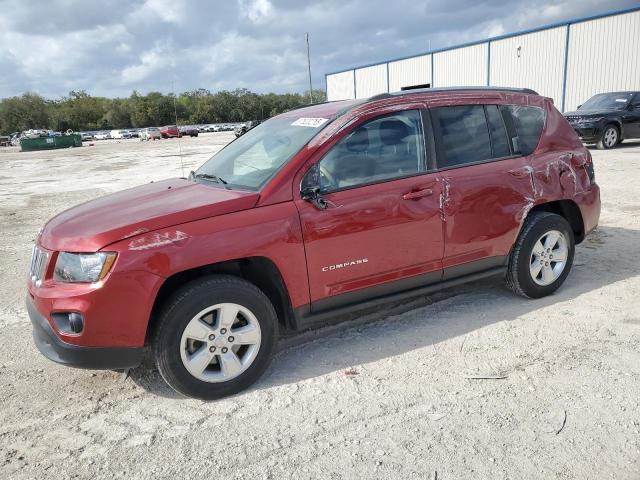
{"x":38,"y":265}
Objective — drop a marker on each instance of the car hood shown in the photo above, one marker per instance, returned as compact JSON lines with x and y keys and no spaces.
{"x":592,"y":113}
{"x":93,"y":225}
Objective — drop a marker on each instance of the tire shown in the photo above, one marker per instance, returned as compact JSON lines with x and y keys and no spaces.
{"x":610,"y":138}
{"x":176,"y":353}
{"x":523,"y":261}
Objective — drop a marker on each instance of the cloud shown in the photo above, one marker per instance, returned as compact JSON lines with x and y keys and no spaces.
{"x":150,"y":62}
{"x":258,"y":11}
{"x":114,"y":46}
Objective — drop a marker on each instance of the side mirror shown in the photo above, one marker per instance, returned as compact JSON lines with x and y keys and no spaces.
{"x":313,"y":196}
{"x":309,"y":193}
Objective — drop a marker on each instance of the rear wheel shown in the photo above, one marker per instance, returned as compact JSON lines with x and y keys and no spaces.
{"x":542,"y":256}
{"x":215,"y":337}
{"x":609,"y":139}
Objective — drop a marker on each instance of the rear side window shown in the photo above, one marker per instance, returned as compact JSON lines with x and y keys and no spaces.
{"x":463,"y":133}
{"x":499,"y":140}
{"x":526,"y":126}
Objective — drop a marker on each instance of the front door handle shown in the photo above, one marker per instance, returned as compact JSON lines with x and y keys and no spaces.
{"x":416,"y":195}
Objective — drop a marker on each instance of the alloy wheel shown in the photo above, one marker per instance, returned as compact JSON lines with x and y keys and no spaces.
{"x":610,"y":137}
{"x":220,"y":342}
{"x":549,"y":257}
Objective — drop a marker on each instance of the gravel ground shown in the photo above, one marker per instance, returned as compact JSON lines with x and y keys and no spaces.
{"x":387,"y":396}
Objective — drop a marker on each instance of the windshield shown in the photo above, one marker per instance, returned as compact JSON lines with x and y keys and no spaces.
{"x":607,"y":101}
{"x":250,"y":161}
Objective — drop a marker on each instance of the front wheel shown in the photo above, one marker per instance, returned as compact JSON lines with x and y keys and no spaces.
{"x":542,"y":256}
{"x":609,"y":139}
{"x":215,"y":337}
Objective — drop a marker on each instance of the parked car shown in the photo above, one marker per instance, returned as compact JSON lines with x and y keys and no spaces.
{"x":314,"y":214}
{"x":189,"y":131}
{"x":104,"y":135}
{"x":86,"y":136}
{"x":120,"y":134}
{"x":134,"y":133}
{"x":607,"y":119}
{"x":170,"y":131}
{"x":245,"y":127}
{"x":150,"y":133}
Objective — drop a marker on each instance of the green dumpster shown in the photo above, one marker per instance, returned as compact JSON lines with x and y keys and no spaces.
{"x":49,"y":143}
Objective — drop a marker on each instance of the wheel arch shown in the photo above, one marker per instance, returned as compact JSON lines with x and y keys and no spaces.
{"x":260,"y":271}
{"x":569,"y":210}
{"x":616,"y":122}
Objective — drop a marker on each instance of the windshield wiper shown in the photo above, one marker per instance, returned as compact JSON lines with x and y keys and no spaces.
{"x":208,"y":176}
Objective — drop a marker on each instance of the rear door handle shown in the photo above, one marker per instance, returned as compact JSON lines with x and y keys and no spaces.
{"x":425,"y":192}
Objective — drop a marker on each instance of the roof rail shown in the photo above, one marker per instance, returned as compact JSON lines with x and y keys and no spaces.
{"x":305,"y":105}
{"x":382,"y":96}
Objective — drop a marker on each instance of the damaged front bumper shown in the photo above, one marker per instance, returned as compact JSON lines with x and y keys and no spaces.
{"x":52,"y":347}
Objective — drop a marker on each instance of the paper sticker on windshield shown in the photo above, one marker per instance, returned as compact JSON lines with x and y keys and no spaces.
{"x":621,"y":100}
{"x":310,"y":122}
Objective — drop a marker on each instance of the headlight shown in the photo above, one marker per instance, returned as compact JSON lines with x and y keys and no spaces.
{"x":82,"y":267}
{"x":592,"y":120}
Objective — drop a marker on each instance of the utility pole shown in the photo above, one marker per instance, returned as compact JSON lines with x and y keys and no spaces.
{"x":306,"y":36}
{"x":175,"y":113}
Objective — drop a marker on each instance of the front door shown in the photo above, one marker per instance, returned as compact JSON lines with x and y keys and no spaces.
{"x":631,"y":119}
{"x":382,"y":230}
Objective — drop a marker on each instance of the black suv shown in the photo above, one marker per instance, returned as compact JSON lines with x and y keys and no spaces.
{"x":607,"y":118}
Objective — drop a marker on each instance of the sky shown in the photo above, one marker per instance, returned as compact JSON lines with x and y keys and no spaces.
{"x":110,"y":47}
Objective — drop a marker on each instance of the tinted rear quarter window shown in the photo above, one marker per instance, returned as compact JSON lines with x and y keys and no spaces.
{"x":528,"y":123}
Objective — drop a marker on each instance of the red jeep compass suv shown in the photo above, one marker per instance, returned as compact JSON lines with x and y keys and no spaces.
{"x":310,"y":215}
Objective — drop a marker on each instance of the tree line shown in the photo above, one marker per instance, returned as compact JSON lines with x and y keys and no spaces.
{"x":80,"y":111}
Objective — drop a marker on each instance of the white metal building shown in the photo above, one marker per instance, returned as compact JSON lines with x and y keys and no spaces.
{"x":569,"y":62}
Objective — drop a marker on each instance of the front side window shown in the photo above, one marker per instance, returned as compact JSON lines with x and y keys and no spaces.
{"x":464,"y":135}
{"x":387,"y":147}
{"x":250,"y":161}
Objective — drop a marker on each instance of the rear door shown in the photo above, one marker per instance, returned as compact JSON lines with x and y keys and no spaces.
{"x":382,"y":230}
{"x":487,"y":184}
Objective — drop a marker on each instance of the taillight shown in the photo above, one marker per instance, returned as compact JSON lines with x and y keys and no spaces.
{"x":588,"y":166}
